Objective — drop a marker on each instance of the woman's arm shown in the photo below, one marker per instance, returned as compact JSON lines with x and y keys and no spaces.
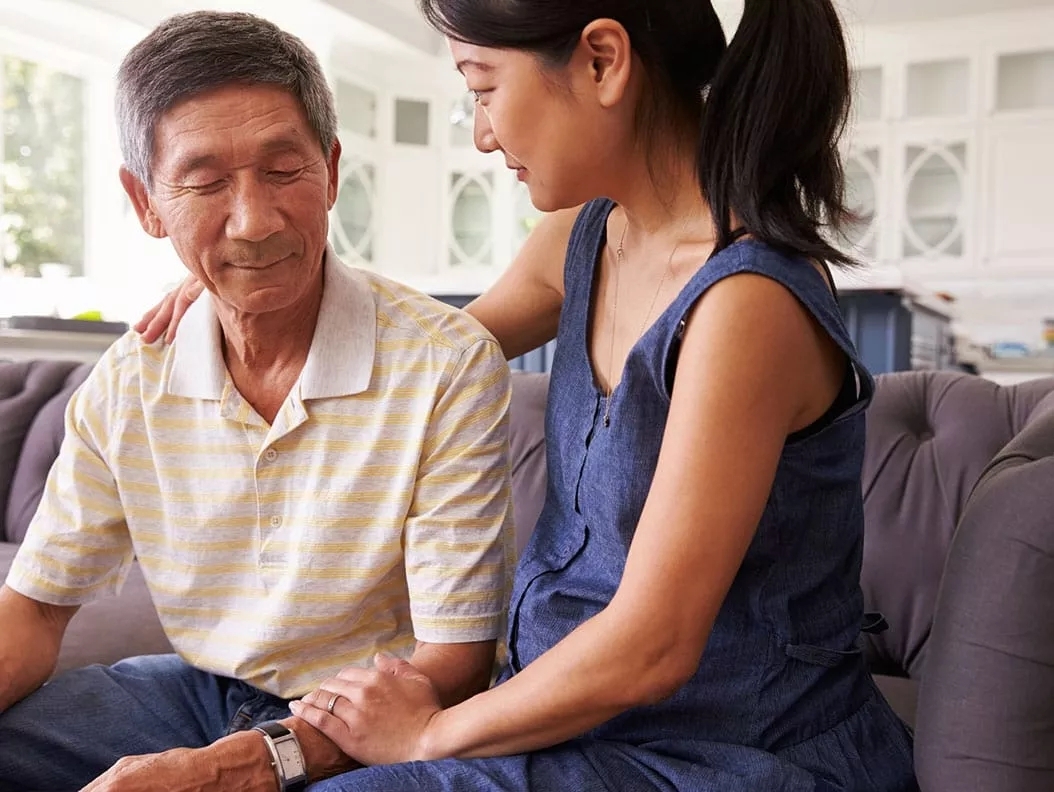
{"x":753,"y":368}
{"x":521,"y":310}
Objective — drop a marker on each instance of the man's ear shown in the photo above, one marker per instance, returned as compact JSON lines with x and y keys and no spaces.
{"x":334,"y":173}
{"x":140,"y":198}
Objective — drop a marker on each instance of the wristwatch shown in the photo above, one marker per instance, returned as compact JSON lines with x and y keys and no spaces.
{"x":286,"y":757}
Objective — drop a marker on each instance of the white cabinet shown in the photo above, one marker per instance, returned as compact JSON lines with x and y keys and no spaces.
{"x":949,"y":159}
{"x":1022,"y":216}
{"x":417,"y":202}
{"x":949,"y":162}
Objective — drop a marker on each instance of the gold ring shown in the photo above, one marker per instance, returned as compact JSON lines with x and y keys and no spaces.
{"x":332,"y":703}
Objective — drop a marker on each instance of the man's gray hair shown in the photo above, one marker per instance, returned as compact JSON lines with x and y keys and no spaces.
{"x":189,"y":54}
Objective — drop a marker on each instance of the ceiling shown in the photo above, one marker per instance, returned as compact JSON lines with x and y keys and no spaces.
{"x":402,"y":19}
{"x":867,"y":11}
{"x":882,"y":12}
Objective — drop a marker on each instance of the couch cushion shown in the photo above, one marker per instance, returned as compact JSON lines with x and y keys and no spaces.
{"x":527,"y":451}
{"x":902,"y":695}
{"x":39,"y":451}
{"x":986,"y":701}
{"x":930,"y":436}
{"x":24,"y":388}
{"x":110,"y":629}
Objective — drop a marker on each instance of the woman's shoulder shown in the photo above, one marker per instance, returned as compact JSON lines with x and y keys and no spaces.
{"x":795,"y":271}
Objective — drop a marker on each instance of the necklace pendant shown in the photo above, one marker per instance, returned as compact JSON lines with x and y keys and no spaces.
{"x":607,"y":420}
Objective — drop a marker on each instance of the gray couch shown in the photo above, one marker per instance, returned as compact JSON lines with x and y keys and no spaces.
{"x":973,"y":655}
{"x":33,"y":398}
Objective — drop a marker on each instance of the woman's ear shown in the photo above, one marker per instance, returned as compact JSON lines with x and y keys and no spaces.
{"x":606,"y":51}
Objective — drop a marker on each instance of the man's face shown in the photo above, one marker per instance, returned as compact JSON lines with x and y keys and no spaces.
{"x":243,"y":190}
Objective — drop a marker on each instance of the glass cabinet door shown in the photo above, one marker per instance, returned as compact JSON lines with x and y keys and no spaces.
{"x":471,"y":221}
{"x":352,"y":229}
{"x":934,"y":200}
{"x":862,"y":175}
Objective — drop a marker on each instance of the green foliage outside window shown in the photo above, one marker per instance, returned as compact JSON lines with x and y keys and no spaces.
{"x":42,"y":172}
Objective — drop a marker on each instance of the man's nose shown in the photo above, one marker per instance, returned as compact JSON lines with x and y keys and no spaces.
{"x":254,"y":214}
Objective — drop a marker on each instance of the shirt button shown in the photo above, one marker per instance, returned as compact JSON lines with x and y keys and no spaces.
{"x":271,"y":455}
{"x":276,"y":521}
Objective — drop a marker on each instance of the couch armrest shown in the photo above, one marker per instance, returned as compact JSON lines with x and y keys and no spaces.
{"x":986,"y":700}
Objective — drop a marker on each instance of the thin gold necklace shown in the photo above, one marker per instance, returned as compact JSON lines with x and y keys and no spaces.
{"x":619,"y":259}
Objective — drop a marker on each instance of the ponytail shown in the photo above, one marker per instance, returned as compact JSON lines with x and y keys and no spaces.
{"x":775,"y":109}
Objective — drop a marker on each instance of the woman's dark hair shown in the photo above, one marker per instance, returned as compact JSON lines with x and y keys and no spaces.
{"x":770,"y":106}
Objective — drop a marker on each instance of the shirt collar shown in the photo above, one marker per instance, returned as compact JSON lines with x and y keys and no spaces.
{"x":339,"y":363}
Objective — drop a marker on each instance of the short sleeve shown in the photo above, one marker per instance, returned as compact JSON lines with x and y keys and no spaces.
{"x":459,"y":534}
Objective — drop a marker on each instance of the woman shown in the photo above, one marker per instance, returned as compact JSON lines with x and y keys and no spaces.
{"x":705,"y":425}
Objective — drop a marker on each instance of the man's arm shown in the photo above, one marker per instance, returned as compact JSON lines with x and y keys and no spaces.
{"x":30,"y":648}
{"x":458,"y":671}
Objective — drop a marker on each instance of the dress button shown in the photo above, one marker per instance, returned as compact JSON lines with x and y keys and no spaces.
{"x":276,"y":522}
{"x":271,"y":455}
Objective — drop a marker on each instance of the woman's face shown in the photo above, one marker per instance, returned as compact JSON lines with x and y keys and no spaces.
{"x":554,"y":128}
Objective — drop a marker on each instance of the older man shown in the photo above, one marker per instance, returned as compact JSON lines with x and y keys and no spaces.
{"x":312,"y":474}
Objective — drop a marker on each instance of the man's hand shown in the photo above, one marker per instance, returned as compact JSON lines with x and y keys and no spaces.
{"x":173,"y":770}
{"x":226,"y":766}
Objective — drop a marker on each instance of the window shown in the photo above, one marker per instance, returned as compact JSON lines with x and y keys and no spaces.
{"x":411,"y":122}
{"x":42,"y":118}
{"x":356,"y":109}
{"x":1025,"y":81}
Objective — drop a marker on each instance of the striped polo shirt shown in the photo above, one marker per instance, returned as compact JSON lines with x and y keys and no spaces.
{"x":373,"y":512}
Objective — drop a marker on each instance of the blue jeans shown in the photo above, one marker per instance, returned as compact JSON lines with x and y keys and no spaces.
{"x":78,"y":725}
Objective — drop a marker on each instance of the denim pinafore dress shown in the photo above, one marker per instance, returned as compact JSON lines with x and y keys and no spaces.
{"x":782,"y":700}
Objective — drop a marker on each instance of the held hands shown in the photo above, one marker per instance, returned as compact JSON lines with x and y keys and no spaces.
{"x":164,"y":318}
{"x":379,"y":716}
{"x":382,"y":715}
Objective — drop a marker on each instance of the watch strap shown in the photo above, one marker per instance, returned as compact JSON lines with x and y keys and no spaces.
{"x":273,"y":732}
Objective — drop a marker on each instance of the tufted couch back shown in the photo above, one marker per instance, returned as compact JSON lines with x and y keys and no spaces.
{"x":33,"y":396}
{"x":930,"y":436}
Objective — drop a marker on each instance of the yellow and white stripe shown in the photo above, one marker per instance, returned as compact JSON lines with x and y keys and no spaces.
{"x":374,"y":511}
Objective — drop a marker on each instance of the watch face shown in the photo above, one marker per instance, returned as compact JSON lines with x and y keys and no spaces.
{"x":292,"y":762}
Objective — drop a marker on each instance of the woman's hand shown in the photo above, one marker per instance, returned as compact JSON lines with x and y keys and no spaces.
{"x":164,"y":317}
{"x":378,"y":716}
